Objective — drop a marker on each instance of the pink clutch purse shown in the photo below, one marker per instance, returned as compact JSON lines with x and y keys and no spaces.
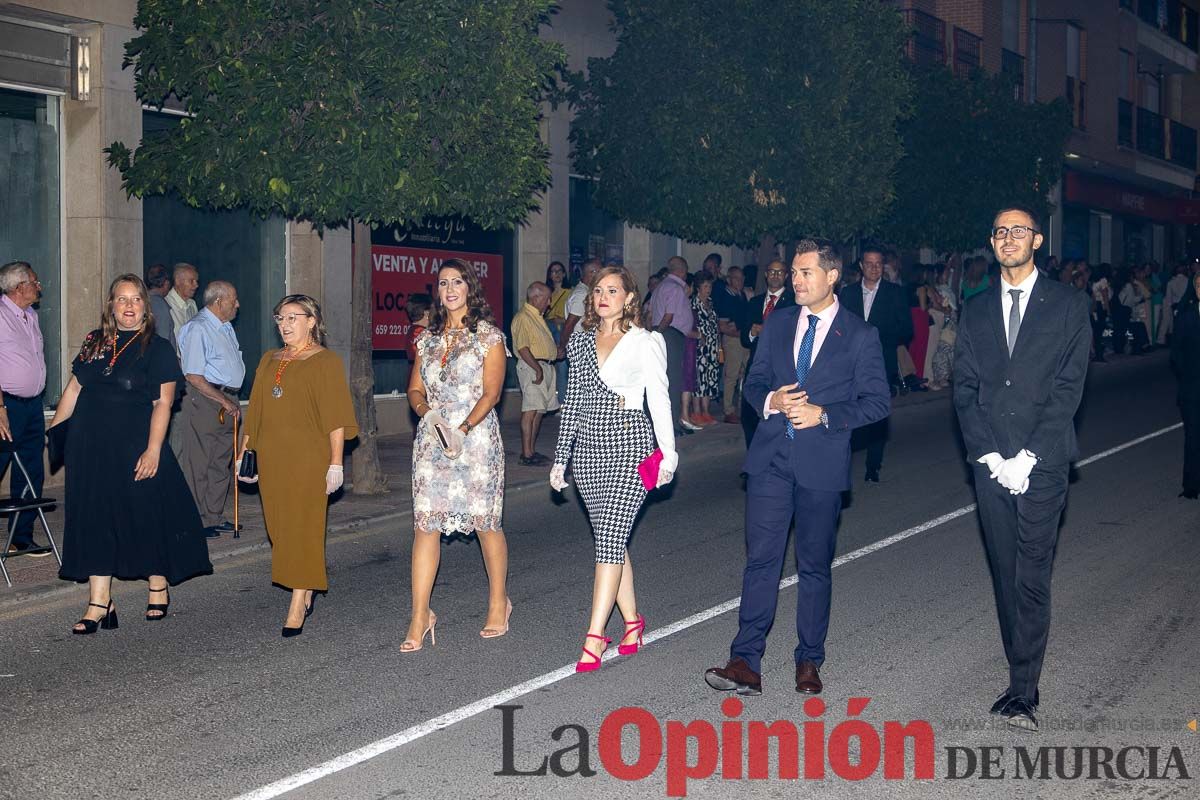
{"x":648,"y":469}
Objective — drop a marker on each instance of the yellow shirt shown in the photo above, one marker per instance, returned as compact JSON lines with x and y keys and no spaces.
{"x":530,"y":330}
{"x":557,"y":312}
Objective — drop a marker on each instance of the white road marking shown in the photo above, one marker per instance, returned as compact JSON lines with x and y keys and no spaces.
{"x":407,"y":735}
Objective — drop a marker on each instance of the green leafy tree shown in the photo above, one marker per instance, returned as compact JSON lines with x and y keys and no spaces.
{"x":971,"y":147}
{"x":730,"y":120}
{"x":346,"y":113}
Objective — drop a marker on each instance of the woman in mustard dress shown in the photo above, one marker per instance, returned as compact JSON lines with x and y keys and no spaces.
{"x":299,"y":418}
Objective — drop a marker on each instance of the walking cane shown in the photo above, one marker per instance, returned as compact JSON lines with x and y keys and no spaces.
{"x":237,"y":529}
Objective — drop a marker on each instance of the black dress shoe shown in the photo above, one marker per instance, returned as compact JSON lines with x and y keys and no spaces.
{"x":872,"y":476}
{"x":734,"y":676}
{"x":808,"y":680}
{"x":1006,"y":697}
{"x":28,"y":549}
{"x":227,"y":527}
{"x":1190,"y":494}
{"x":213,"y":531}
{"x":1020,"y":715}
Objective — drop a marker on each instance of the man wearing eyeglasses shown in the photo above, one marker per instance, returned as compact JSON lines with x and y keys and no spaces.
{"x":777,"y":296}
{"x":212,"y":363}
{"x":22,"y":379}
{"x":1019,"y":366}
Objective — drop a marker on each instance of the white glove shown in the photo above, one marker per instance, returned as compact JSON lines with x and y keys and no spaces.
{"x":1014,"y":472}
{"x":334,"y":478}
{"x":558,"y":477}
{"x":992,"y":461}
{"x":237,"y":470}
{"x":664,"y":476}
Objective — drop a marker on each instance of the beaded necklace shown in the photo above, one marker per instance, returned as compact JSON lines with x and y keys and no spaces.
{"x":117,"y":353}
{"x":277,"y":389}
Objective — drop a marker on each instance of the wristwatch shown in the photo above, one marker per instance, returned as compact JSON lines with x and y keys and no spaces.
{"x":825,"y":419}
{"x":466,"y":423}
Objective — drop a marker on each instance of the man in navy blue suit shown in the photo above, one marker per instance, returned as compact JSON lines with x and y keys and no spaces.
{"x":817,"y":374}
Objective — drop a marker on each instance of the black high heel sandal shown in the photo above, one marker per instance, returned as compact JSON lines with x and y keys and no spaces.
{"x":158,"y":606}
{"x":308,"y":610}
{"x":107,"y":622}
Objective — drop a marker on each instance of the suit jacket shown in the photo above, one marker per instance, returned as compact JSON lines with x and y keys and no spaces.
{"x":846,"y":379}
{"x":1185,"y":351}
{"x":1026,"y":401}
{"x":889,"y":315}
{"x":754,"y":315}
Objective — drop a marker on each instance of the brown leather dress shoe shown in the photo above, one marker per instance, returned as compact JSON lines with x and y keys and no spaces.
{"x":734,"y":676}
{"x":808,"y":681}
{"x":733,"y":419}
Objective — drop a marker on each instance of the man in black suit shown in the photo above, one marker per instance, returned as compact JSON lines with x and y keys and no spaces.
{"x":1019,"y":368}
{"x":882,"y":304}
{"x":817,"y":375}
{"x":758,"y":311}
{"x":1185,"y":361}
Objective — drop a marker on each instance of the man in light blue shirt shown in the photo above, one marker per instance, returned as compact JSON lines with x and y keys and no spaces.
{"x":212,"y":363}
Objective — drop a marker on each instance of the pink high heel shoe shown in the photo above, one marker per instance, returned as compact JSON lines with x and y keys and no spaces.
{"x":590,"y":666}
{"x":493,"y":633}
{"x":410,"y":646}
{"x":637,"y":626}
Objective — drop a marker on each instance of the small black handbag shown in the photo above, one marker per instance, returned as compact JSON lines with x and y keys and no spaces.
{"x":249,"y":465}
{"x":56,"y":445}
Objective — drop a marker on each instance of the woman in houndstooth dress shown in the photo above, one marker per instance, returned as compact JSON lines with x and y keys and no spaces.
{"x":615,"y":366}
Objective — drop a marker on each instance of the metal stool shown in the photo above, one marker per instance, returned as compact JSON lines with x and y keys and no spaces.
{"x":28,"y":501}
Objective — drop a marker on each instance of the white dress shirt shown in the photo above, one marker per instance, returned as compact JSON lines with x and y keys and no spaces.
{"x":869,"y":298}
{"x":636,"y":369}
{"x":824,"y":323}
{"x":1026,"y":287}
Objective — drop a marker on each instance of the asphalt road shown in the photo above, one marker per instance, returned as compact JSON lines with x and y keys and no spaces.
{"x":212,"y":703}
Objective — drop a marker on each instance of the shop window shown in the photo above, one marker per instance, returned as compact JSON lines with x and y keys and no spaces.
{"x":234,"y":246}
{"x":30,"y":206}
{"x":594,"y":233}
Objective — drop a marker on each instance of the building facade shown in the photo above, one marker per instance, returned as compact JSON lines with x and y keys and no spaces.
{"x":64,"y":97}
{"x":1128,"y":71}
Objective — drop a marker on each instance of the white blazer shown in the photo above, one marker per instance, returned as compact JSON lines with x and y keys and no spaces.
{"x":636,"y":369}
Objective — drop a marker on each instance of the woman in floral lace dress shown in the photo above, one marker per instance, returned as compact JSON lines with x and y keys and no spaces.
{"x":458,"y":458}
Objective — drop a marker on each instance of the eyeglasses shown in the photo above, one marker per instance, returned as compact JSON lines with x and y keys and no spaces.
{"x":1017,"y":231}
{"x":777,"y":272}
{"x":289,"y":318}
{"x":36,"y":283}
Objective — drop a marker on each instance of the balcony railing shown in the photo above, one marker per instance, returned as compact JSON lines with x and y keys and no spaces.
{"x":1077,"y":100}
{"x":1124,"y":123}
{"x":1013,"y":65}
{"x":967,"y":52}
{"x":1181,"y":144}
{"x":1172,"y":17}
{"x":1165,"y":138}
{"x":928,"y":42}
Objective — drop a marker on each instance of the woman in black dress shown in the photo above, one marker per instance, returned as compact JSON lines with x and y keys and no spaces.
{"x":129,"y":512}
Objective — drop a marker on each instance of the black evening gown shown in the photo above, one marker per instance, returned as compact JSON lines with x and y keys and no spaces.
{"x":115,"y":525}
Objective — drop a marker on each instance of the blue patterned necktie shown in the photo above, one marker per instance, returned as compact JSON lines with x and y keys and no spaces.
{"x":802,"y":360}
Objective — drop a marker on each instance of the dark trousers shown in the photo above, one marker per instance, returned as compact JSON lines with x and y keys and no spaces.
{"x":675,"y":351}
{"x":1020,"y":533}
{"x":873,"y":437}
{"x":1189,"y":409}
{"x":1120,"y":325}
{"x":1099,"y":320}
{"x":29,"y":433}
{"x":773,"y":502}
{"x":207,"y":455}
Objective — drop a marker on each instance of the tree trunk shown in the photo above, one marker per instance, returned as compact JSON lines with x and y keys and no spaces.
{"x":367,"y":474}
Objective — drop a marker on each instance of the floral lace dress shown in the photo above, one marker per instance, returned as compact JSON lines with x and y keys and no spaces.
{"x":465,"y":494}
